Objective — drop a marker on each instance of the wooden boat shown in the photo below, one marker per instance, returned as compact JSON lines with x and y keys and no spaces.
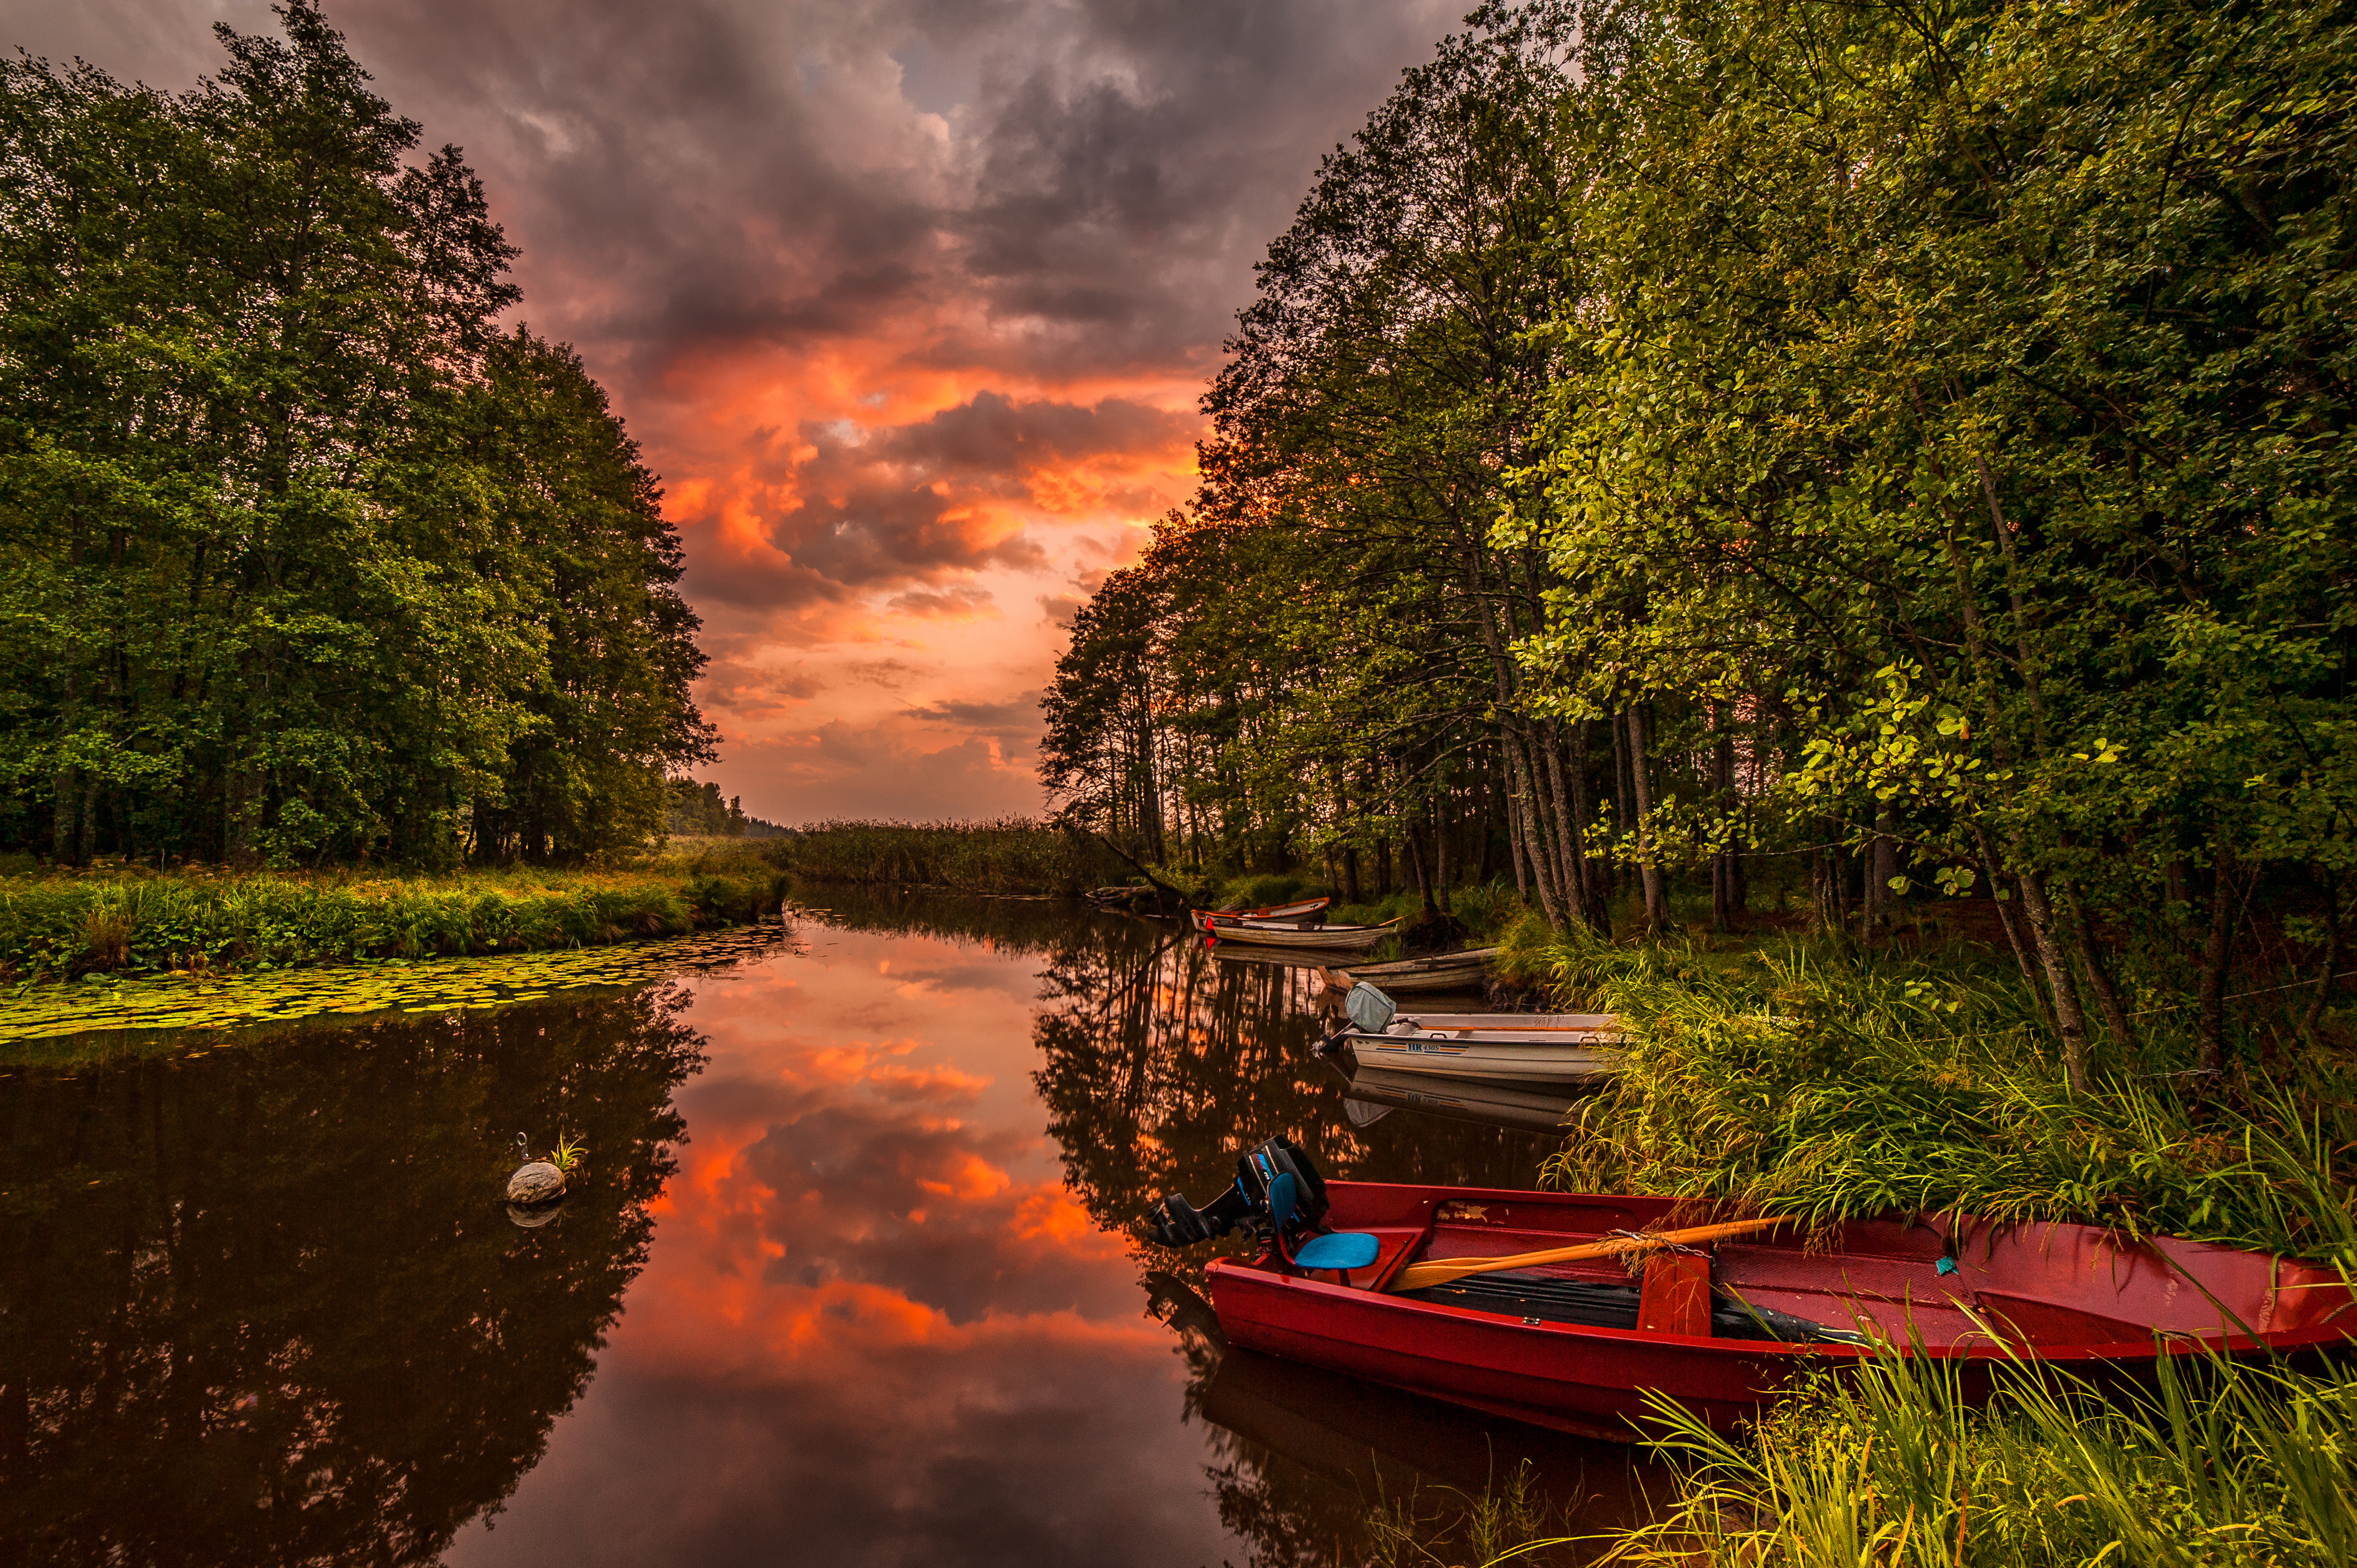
{"x":1299,"y":912}
{"x":1576,"y":1346}
{"x":1570,"y":1060}
{"x":1296,"y":934}
{"x":1443,"y":971}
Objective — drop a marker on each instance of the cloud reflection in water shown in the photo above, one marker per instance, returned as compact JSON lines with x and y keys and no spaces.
{"x":875,"y":1327}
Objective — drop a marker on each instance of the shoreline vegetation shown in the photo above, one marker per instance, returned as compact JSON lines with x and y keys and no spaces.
{"x":118,"y":920}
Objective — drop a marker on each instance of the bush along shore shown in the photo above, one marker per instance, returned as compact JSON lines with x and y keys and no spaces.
{"x":1802,"y":1074}
{"x":1009,"y":856}
{"x":111,"y":919}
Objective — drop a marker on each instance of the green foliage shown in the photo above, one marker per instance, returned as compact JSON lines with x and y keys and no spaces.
{"x":305,"y":559}
{"x":56,"y":927}
{"x":2219,"y":1464}
{"x":1802,"y":1079}
{"x":1014,"y":854}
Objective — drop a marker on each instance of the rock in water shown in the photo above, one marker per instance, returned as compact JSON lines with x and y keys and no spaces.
{"x":538,"y":1182}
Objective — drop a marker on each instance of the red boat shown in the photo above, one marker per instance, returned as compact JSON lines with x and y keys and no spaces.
{"x":1540,"y":1344}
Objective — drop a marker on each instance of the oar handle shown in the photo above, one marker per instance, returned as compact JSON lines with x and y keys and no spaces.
{"x":1422,"y":1276}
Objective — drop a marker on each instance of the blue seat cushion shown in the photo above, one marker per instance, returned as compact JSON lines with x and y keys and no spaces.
{"x":1342,"y":1249}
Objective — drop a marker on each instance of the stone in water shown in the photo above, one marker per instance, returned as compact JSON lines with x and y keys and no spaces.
{"x":538,"y":1182}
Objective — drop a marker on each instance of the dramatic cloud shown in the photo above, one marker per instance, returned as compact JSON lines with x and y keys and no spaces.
{"x":909,"y":301}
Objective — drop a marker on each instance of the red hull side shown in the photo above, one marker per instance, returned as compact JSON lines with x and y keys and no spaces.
{"x":2067,"y":1290}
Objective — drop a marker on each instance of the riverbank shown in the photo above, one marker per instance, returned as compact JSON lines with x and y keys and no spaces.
{"x":125,"y":921}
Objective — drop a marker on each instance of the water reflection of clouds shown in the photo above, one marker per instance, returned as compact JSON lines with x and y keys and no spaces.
{"x":874,"y":1326}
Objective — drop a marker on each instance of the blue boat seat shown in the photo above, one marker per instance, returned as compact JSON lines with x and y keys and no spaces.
{"x":1338,"y":1249}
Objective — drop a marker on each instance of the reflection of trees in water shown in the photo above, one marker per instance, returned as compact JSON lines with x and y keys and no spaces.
{"x":265,"y":1305}
{"x":1160,"y":1061}
{"x":1021,"y":925}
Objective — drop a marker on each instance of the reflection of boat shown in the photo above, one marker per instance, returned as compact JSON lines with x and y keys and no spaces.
{"x":1371,"y":1437}
{"x":1574,"y":1053}
{"x":1300,"y":910}
{"x":1442,"y":972}
{"x":1492,"y":1104}
{"x":1294,"y":934}
{"x":1231,"y":951}
{"x":1561,"y":1345}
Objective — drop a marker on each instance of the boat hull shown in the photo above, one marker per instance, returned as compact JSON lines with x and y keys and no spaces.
{"x":2068,"y":1294}
{"x":1572,"y":1064}
{"x":1447,"y":972}
{"x":1334,"y":939}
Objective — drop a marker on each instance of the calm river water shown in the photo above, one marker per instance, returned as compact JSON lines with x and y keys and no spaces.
{"x":847,"y":1280}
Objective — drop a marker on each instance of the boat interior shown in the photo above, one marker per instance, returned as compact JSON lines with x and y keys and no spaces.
{"x":2042,"y":1286}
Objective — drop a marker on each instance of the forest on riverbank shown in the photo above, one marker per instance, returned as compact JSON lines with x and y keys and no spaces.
{"x":1898,"y":453}
{"x":309,"y":558}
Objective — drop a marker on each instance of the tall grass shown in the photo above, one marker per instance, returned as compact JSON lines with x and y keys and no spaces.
{"x":1013,"y":854}
{"x":59,"y":925}
{"x":1806,"y":1079}
{"x":1891,"y":1464}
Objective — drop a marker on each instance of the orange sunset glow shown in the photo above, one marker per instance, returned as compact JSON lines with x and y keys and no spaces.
{"x":909,"y":305}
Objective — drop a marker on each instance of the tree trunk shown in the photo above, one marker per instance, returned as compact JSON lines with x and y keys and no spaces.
{"x":2070,"y":1021}
{"x":1657,"y":903}
{"x":2091,"y":963}
{"x":2012,"y":929}
{"x":2217,"y":956}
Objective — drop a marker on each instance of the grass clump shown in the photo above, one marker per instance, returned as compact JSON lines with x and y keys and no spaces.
{"x":1894,"y":1464}
{"x":1809,"y":1079}
{"x":1010,"y":855}
{"x":128,"y":921}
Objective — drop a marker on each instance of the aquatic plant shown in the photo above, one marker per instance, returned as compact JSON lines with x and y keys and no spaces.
{"x":1891,"y":1464}
{"x":96,"y":1015}
{"x":567,"y":1153}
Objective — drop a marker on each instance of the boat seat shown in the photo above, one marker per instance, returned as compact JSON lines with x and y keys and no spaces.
{"x":1338,"y":1249}
{"x":1341,"y":1250}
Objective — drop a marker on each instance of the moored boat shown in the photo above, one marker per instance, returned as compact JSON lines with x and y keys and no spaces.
{"x":1725,"y":1331}
{"x":1298,"y":934}
{"x":1575,"y":1060}
{"x":1441,"y":971}
{"x":1306,"y":911}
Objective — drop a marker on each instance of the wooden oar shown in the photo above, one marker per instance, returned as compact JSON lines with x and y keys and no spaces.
{"x":1420,"y":1276}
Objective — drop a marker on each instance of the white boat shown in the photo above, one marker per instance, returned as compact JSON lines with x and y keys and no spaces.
{"x":1442,"y":972}
{"x":1572,"y":1052}
{"x":1571,"y":1061}
{"x":1282,"y":913}
{"x":1294,"y":934}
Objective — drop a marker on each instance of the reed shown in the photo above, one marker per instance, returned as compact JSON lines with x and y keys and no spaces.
{"x":125,"y":921}
{"x":1891,"y":1464}
{"x":1010,"y":855}
{"x":1805,"y":1080}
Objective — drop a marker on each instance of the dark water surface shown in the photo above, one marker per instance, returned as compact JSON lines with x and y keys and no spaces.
{"x":845,"y":1280}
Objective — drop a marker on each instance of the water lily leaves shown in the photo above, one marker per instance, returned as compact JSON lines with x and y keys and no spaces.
{"x":35,"y":1014}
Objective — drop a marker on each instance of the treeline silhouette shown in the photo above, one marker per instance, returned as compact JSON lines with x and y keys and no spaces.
{"x":1903,"y":452}
{"x":308,"y":558}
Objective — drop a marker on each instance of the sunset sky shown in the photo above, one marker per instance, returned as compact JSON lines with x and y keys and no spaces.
{"x":908,"y":302}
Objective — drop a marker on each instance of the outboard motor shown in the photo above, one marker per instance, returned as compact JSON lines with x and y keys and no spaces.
{"x":1279,"y":1195}
{"x":1277,"y":1187}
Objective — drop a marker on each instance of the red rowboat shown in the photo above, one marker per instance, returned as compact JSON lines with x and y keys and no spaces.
{"x":1515,"y":1345}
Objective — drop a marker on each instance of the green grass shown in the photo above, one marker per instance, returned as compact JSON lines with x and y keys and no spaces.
{"x":1013,"y":856}
{"x":1892,"y":1466}
{"x":1802,"y":1078}
{"x":122,"y":921}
